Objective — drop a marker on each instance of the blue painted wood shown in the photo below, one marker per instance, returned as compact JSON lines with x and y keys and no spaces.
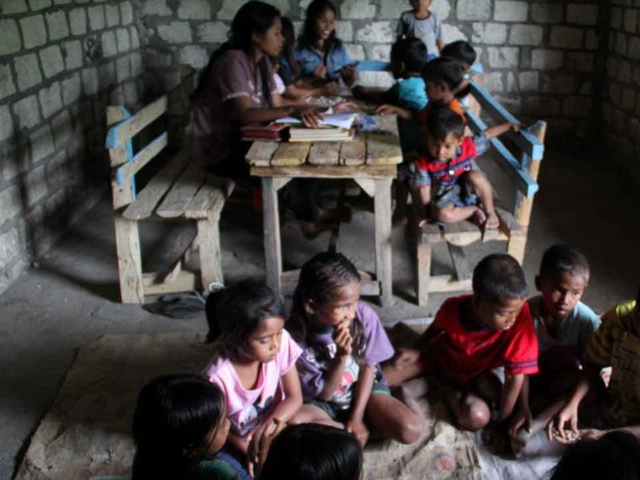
{"x":120,"y":170}
{"x":524,"y":140}
{"x":129,"y":145}
{"x":524,"y":181}
{"x":129,"y":148}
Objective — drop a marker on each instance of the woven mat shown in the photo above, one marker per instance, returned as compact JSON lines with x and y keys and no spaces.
{"x":86,"y":433}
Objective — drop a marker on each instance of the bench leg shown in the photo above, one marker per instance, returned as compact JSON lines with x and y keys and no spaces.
{"x":129,"y":260}
{"x":271,"y":228}
{"x":423,"y":272}
{"x":382,"y":206}
{"x":516,"y":247}
{"x":210,"y":257}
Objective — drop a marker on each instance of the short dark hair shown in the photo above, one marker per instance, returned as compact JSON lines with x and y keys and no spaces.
{"x":443,"y":70}
{"x":615,"y":455}
{"x":563,"y":258}
{"x":410,"y":51}
{"x":313,"y":452}
{"x":235,"y":312}
{"x":499,"y":276}
{"x":441,"y":121}
{"x":460,"y":51}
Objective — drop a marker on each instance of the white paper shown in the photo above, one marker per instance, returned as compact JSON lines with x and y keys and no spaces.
{"x":342,"y":120}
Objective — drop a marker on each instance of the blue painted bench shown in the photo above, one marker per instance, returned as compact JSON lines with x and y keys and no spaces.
{"x":522,"y":165}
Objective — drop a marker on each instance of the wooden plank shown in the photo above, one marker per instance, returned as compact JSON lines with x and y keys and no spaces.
{"x":210,"y":253}
{"x":143,"y":157}
{"x":335,"y":231}
{"x":157,"y":187}
{"x":279,"y":182}
{"x":367,"y":184}
{"x":207,"y":202}
{"x":460,"y":264}
{"x":181,"y":262}
{"x":524,"y":182}
{"x":524,"y":206}
{"x":185,"y":282}
{"x":324,"y":153}
{"x":431,"y":233}
{"x":123,"y":131}
{"x":447,"y":283}
{"x":226,"y":185}
{"x":423,"y":272}
{"x":181,"y":193}
{"x":383,"y":144}
{"x":260,"y":153}
{"x":382,"y":216}
{"x":525,"y":141}
{"x":461,"y":233}
{"x":291,"y":154}
{"x":271,"y":235}
{"x":327,"y":171}
{"x":354,"y":153}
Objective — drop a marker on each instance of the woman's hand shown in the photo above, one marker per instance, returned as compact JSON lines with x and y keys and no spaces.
{"x":310,"y":116}
{"x":320,"y":71}
{"x":349,"y":74}
{"x":387,"y":109}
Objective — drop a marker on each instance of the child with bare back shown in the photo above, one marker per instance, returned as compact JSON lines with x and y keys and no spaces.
{"x":444,"y":175}
{"x":471,"y":336}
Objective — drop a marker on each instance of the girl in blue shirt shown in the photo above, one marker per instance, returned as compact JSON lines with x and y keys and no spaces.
{"x":320,"y":53}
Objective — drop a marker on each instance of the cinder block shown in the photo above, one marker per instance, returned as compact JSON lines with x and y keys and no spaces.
{"x":107,"y":76}
{"x":62,"y":129}
{"x":71,"y":89}
{"x":112,"y":13}
{"x":90,"y":81}
{"x":9,"y":247}
{"x":634,"y":48}
{"x":33,"y":31}
{"x":194,"y":55}
{"x":621,"y":44}
{"x":630,"y":20}
{"x":380,"y":52}
{"x":123,"y":69}
{"x":156,"y":7}
{"x":27,"y":112}
{"x":540,"y":106}
{"x":36,"y":5}
{"x":357,"y":9}
{"x":194,"y":10}
{"x":376,"y":32}
{"x":15,"y":160}
{"x":27,"y":71}
{"x":122,"y":37}
{"x":564,"y":84}
{"x":41,"y":143}
{"x":10,"y":204}
{"x":109,"y":46}
{"x":6,"y":123}
{"x":57,"y":25}
{"x":213,"y":32}
{"x":566,"y":37}
{"x":489,"y":33}
{"x":126,"y":13}
{"x":7,"y":85}
{"x":628,"y":101}
{"x":355,"y":51}
{"x":503,"y":57}
{"x":592,"y":42}
{"x":547,"y":12}
{"x":137,"y":67}
{"x":175,"y":32}
{"x":577,"y":107}
{"x":528,"y":81}
{"x":35,"y":185}
{"x":473,"y":9}
{"x":14,"y":6}
{"x":135,"y":38}
{"x":50,"y":99}
{"x":581,"y":62}
{"x":73,"y":54}
{"x":230,"y":8}
{"x":344,"y":31}
{"x":542,"y":59}
{"x":582,"y":14}
{"x":526,"y":35}
{"x":58,"y":170}
{"x":96,"y":17}
{"x":615,"y":20}
{"x":78,"y":21}
{"x":493,"y":82}
{"x":511,"y":11}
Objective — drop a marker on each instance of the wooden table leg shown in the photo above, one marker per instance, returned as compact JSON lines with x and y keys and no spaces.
{"x":271,"y":228}
{"x":382,"y":205}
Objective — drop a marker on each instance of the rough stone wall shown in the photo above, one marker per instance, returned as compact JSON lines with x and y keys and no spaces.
{"x":621,"y":98}
{"x":61,"y":63}
{"x":540,"y":56}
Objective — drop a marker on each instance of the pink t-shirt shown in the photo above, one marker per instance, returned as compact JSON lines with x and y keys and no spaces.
{"x":247,"y":408}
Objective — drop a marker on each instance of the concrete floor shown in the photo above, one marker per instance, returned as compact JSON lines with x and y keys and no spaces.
{"x":71,"y":297}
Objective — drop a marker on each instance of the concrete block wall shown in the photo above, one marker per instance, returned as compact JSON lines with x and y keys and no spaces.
{"x":540,"y":56}
{"x":621,"y":95}
{"x":61,"y":63}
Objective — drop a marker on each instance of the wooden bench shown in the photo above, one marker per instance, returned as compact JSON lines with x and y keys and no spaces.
{"x":522,"y":168}
{"x":180,"y":191}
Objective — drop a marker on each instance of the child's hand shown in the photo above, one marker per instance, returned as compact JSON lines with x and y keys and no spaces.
{"x":591,"y":434}
{"x":343,"y":340}
{"x":349,"y":73}
{"x":320,"y":71}
{"x":345,"y":107}
{"x":567,"y":416}
{"x":260,"y":443}
{"x":330,"y":89}
{"x":387,"y":109}
{"x":516,"y":127}
{"x":521,"y":419}
{"x":358,"y":429}
{"x":310,"y":117}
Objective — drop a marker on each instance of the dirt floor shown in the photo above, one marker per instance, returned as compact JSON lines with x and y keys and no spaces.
{"x":70,"y":297}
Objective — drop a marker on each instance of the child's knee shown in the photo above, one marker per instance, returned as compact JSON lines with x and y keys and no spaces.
{"x":474,"y":414}
{"x":411,"y":431}
{"x":476,"y":178}
{"x":445,"y":214}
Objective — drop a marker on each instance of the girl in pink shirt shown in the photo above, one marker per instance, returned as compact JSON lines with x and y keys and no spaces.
{"x":254,"y":363}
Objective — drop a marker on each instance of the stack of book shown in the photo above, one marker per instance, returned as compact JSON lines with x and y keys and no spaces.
{"x":272,"y":132}
{"x":322,"y":134}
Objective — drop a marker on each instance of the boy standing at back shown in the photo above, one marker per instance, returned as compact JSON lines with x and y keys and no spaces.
{"x":424,"y":25}
{"x":472,"y":335}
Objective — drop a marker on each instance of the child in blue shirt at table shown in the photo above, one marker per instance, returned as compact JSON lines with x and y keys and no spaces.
{"x":423,"y":24}
{"x":320,"y":53}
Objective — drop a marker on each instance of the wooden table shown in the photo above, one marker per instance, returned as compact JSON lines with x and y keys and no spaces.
{"x":370,"y":161}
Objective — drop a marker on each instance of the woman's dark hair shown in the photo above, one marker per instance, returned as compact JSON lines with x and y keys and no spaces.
{"x":412,"y":52}
{"x":253,"y":17}
{"x":173,"y":418}
{"x":235,"y":312}
{"x":320,"y":278}
{"x":289,"y":34}
{"x":499,"y":276}
{"x":313,"y":452}
{"x":614,"y":456}
{"x":308,"y":37}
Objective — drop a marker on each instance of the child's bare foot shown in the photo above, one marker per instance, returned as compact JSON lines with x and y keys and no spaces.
{"x":519,"y":442}
{"x":479,"y":217}
{"x":492,"y":221}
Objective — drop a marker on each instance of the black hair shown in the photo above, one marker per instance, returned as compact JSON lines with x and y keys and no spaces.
{"x":320,"y":277}
{"x":289,"y":34}
{"x":460,"y":51}
{"x":441,"y":121}
{"x":445,"y":71}
{"x":615,"y":456}
{"x":563,"y":258}
{"x":172,"y":419}
{"x":410,"y":51}
{"x":235,"y":312}
{"x":253,"y":17}
{"x":499,"y":276}
{"x":307,"y":38}
{"x":313,"y":452}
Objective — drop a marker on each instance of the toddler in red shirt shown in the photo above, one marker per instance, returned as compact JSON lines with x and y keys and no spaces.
{"x":472,"y":335}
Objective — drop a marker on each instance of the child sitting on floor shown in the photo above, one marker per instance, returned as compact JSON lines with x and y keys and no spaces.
{"x":472,"y":335}
{"x":617,"y":344}
{"x":313,"y":452}
{"x":564,"y":327}
{"x":444,"y":175}
{"x":254,"y":363}
{"x":424,"y":25}
{"x":179,"y":426}
{"x":343,"y":344}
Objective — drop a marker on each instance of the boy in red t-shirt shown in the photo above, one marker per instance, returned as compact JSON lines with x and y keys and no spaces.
{"x":472,"y":335}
